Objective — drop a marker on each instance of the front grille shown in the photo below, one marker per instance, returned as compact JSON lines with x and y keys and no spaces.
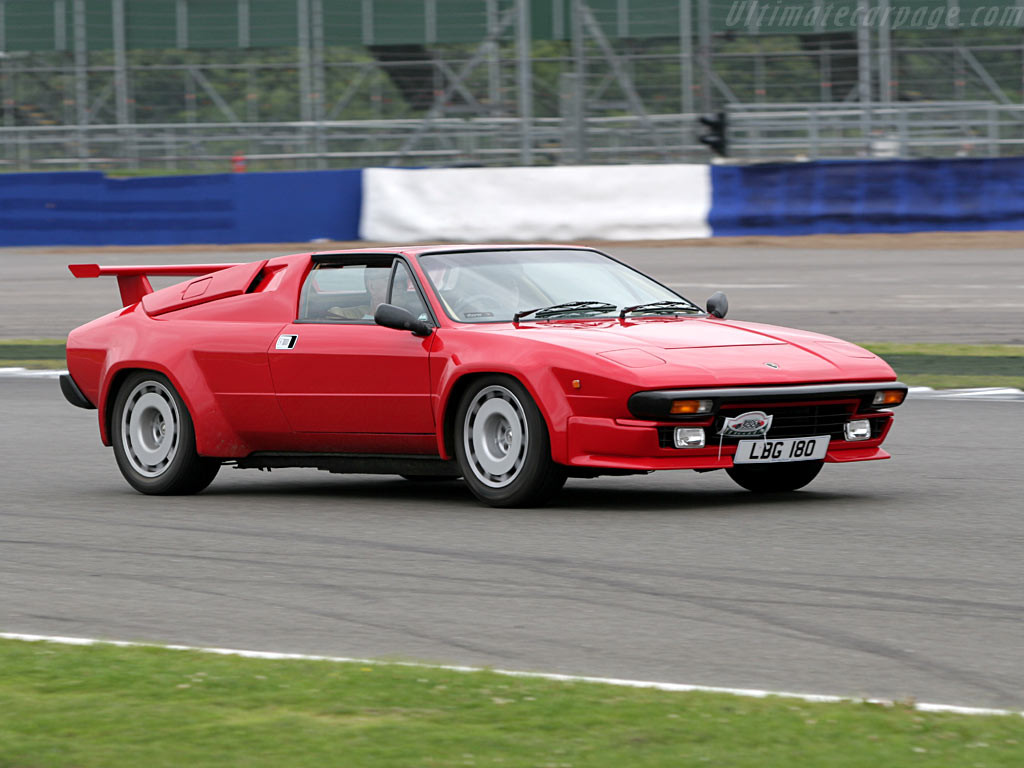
{"x":789,"y":420}
{"x":793,"y":420}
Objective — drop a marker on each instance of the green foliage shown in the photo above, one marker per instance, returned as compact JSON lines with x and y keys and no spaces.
{"x":262,"y":84}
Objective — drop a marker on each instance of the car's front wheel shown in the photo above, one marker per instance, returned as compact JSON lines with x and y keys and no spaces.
{"x":154,"y":440}
{"x":502,"y":445}
{"x":775,"y":478}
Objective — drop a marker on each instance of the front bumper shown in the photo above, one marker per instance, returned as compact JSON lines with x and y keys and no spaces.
{"x":656,"y":404}
{"x":633,"y":444}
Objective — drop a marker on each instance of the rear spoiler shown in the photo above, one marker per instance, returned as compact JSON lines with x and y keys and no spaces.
{"x":133,"y":281}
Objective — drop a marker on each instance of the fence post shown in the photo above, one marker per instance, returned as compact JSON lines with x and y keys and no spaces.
{"x":123,"y":106}
{"x":81,"y":81}
{"x":493,"y":61}
{"x":318,"y":81}
{"x":305,"y":78}
{"x":579,"y":56}
{"x":884,"y":53}
{"x":864,"y":71}
{"x":993,"y":132}
{"x":573,"y":126}
{"x":704,"y":22}
{"x":686,"y":57}
{"x":525,"y":81}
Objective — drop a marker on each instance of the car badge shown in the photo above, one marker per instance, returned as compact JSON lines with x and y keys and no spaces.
{"x":773,"y":365}
{"x":749,"y":424}
{"x":286,"y":341}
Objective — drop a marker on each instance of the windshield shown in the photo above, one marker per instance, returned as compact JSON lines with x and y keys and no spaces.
{"x":493,"y":286}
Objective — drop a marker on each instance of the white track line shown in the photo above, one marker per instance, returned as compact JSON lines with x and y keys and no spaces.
{"x":673,"y":687}
{"x":26,"y":373}
{"x":975,"y":393}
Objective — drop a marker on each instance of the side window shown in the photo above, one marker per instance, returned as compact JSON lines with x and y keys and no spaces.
{"x":344,"y":292}
{"x":404,"y":293}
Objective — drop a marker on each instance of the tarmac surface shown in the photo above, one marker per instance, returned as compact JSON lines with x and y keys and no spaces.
{"x":889,"y":579}
{"x":958,"y":294}
{"x":894,"y":579}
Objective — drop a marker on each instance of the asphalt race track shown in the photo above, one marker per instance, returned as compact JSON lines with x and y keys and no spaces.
{"x":948,"y":295}
{"x":888,"y":579}
{"x":891,"y":579}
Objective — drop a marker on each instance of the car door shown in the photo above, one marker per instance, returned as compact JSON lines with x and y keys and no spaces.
{"x":336,"y":371}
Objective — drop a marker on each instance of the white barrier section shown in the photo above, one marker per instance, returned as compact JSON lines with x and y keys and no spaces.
{"x":605,"y":202}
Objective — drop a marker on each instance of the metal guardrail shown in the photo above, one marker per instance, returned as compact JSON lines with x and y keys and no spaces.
{"x":336,"y":144}
{"x":757,"y":132}
{"x":904,"y":130}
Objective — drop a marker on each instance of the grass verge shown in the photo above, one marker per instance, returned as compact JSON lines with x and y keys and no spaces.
{"x":942,"y":366}
{"x":885,"y":349}
{"x":951,"y":366}
{"x":108,"y":706}
{"x":38,"y":354}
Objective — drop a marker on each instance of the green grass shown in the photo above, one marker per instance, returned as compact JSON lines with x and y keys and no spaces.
{"x":958,"y":364}
{"x":943,"y":350}
{"x":32,"y":349}
{"x":110,"y":707}
{"x":32,"y":353}
{"x":952,"y":366}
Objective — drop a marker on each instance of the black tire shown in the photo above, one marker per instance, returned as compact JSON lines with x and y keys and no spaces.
{"x":157,"y":452}
{"x":775,"y":478}
{"x":532,"y":477}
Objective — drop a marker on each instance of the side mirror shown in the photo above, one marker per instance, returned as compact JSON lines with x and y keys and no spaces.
{"x":401,"y":319}
{"x":718,"y":305}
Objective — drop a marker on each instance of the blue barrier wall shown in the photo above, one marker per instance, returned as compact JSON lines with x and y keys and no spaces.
{"x":867,"y":196}
{"x":87,"y":208}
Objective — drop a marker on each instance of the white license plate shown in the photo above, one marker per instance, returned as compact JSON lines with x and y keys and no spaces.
{"x":787,"y":449}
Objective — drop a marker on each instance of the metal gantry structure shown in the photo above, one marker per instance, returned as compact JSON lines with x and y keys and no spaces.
{"x":186,"y":85}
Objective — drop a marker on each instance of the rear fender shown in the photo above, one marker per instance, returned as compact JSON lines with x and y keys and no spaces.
{"x":214,"y":436}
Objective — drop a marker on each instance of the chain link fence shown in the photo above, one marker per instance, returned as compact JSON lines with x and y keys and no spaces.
{"x":205,"y":85}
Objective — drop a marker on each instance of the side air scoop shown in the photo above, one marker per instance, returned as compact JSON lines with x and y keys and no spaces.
{"x":133,"y":281}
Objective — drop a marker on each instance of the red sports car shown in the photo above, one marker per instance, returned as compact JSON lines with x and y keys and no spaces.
{"x":513,"y":367}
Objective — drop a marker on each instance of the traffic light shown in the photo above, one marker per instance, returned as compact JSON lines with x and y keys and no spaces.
{"x":715,"y":137}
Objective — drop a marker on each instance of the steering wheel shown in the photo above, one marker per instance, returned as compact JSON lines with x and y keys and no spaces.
{"x":476,"y":301}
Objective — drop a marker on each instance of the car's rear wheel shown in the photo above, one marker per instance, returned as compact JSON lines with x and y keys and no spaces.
{"x":154,"y":440}
{"x":502,"y":445}
{"x":775,"y":478}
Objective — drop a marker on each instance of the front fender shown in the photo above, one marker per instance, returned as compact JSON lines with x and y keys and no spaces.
{"x":454,"y":360}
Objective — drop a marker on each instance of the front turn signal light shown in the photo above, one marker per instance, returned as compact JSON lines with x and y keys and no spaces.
{"x":889,"y":397}
{"x":690,"y":407}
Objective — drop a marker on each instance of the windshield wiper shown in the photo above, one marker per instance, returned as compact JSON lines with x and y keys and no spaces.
{"x":567,"y":307}
{"x":665,"y":307}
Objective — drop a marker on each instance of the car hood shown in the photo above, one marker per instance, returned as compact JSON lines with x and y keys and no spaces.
{"x":718,"y":351}
{"x":676,"y":333}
